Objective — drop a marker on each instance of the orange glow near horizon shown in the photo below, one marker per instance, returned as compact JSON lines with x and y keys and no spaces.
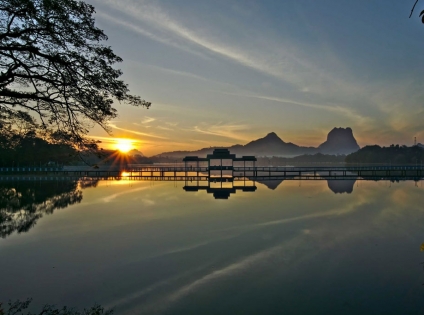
{"x":124,"y":145}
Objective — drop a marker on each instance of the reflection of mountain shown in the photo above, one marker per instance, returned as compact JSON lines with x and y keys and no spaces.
{"x":22,"y":203}
{"x":341,"y":186}
{"x":271,"y":184}
{"x":336,"y":186}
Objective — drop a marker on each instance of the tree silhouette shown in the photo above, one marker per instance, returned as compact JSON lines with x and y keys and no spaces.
{"x":55,"y":73}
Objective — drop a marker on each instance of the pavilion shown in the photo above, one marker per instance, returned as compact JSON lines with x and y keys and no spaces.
{"x":220,"y":160}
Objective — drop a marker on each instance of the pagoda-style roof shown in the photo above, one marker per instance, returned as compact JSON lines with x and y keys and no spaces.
{"x":220,"y":154}
{"x":246,"y":158}
{"x":193,"y":159}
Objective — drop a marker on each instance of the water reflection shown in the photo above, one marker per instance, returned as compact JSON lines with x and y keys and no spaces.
{"x":221,"y":188}
{"x":148,"y":247}
{"x":341,"y":186}
{"x":23,"y":203}
{"x":337,"y":186}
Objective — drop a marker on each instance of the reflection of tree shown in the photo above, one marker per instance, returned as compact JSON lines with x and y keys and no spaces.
{"x":20,"y":307}
{"x":23,"y":203}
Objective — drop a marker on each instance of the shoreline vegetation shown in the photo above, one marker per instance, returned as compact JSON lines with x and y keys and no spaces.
{"x":19,"y":307}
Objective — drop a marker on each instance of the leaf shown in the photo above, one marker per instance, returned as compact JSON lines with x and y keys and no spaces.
{"x":422,"y":247}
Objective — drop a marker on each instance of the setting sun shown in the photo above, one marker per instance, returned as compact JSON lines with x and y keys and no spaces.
{"x":124,"y":145}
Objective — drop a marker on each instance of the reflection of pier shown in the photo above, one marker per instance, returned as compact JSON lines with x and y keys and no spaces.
{"x":221,"y":188}
{"x":178,"y":173}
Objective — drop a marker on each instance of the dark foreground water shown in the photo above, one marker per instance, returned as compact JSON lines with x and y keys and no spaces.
{"x":296,"y":247}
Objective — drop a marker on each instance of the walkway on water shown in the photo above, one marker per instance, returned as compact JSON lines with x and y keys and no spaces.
{"x":226,"y":172}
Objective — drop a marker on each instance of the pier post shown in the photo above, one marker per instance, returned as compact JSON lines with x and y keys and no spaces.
{"x":221,"y":168}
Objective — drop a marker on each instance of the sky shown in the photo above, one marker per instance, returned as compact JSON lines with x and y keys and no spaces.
{"x":226,"y":72}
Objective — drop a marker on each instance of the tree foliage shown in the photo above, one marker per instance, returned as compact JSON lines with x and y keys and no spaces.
{"x":55,"y":72}
{"x":20,"y":145}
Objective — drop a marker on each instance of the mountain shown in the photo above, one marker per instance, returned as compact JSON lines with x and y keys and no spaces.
{"x":135,"y":152}
{"x":339,"y":141}
{"x":420,"y":145}
{"x":271,"y":145}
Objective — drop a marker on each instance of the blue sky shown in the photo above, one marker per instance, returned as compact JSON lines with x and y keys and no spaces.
{"x":226,"y":72}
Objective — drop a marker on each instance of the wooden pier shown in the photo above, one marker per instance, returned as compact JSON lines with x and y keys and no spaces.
{"x":226,"y":172}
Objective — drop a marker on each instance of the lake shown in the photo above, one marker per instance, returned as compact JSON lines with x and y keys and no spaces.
{"x":151,"y":247}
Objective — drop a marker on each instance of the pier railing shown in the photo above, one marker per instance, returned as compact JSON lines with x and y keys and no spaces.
{"x":223,"y":171}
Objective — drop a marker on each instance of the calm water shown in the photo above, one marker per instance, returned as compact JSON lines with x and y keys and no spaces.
{"x":296,"y":247}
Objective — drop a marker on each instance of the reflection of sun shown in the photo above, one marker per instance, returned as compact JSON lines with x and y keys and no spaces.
{"x":123,"y":145}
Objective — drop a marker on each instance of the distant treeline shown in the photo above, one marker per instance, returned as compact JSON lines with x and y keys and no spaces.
{"x":27,"y":149}
{"x":317,"y":158}
{"x":31,"y":150}
{"x":394,"y":154}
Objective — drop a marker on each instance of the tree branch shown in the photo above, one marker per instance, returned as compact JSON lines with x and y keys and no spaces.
{"x":413,"y":8}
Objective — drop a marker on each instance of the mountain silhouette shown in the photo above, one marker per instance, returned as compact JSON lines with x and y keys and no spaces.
{"x":135,"y":152}
{"x":272,"y":144}
{"x":339,"y":141}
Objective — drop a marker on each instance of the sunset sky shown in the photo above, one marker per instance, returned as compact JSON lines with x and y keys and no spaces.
{"x":224,"y":72}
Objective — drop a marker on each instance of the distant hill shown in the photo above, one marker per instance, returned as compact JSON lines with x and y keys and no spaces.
{"x":135,"y":152}
{"x":270,"y":145}
{"x":339,"y":141}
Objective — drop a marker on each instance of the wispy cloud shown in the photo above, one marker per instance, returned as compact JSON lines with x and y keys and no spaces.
{"x":136,"y":132}
{"x":147,"y":120}
{"x":345,"y":111}
{"x":144,"y":32}
{"x":164,"y":128}
{"x":231,"y":131}
{"x":281,"y":63}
